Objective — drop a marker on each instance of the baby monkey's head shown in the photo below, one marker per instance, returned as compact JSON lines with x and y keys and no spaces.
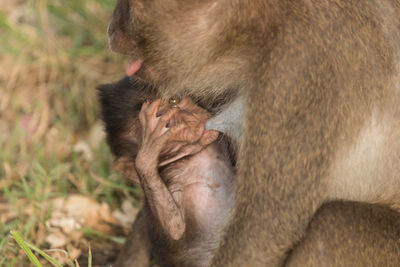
{"x":121,"y":103}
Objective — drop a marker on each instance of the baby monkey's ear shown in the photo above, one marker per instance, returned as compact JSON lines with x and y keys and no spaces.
{"x":208,"y":137}
{"x":126,"y":166}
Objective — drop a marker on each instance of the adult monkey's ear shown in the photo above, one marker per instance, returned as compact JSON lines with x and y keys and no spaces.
{"x":120,"y":32}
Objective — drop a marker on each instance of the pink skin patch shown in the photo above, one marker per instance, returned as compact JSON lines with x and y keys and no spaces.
{"x":133,"y":67}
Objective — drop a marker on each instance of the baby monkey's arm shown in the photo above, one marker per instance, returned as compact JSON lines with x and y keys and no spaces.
{"x":155,"y":134}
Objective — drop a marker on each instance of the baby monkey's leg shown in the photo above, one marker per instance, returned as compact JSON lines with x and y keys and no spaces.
{"x":137,"y":246}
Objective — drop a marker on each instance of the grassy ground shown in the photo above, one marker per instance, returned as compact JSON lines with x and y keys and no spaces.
{"x":53,"y":53}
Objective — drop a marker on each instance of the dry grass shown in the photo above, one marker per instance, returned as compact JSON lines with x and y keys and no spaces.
{"x":53,"y":53}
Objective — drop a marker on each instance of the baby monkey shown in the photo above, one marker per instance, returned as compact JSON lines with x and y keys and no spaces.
{"x":188,"y":178}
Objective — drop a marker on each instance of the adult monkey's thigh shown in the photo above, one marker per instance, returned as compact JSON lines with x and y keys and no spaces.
{"x":320,"y":81}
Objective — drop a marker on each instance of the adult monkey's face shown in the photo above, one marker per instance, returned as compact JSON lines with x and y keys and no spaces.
{"x":183,"y":44}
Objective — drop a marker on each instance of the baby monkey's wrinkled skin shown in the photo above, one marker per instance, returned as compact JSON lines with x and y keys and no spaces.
{"x":170,"y":195}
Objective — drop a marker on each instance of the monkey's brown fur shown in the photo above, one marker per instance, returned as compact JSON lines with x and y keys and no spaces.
{"x":321,"y":81}
{"x":340,"y":234}
{"x":350,"y":234}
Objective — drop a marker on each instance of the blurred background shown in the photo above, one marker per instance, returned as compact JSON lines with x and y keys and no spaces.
{"x":58,"y":189}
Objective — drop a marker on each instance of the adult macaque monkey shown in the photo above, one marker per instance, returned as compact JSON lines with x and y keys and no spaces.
{"x":320,"y":84}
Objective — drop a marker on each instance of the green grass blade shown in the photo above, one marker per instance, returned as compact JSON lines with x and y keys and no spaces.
{"x":30,"y":246}
{"x":94,"y":233}
{"x":44,"y":255}
{"x":17,"y":237}
{"x":90,"y":256}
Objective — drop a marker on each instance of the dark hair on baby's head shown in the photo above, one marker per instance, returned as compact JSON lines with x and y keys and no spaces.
{"x":120,"y":103}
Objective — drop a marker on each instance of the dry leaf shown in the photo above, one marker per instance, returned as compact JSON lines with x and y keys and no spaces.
{"x":83,"y":148}
{"x":56,"y":239}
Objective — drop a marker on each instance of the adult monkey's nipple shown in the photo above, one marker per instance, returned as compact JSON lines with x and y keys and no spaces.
{"x":175,"y":100}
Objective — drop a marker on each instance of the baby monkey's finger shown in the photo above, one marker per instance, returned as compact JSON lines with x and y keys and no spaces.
{"x":176,"y":129}
{"x":162,"y":125}
{"x":166,"y":133}
{"x":144,"y":108}
{"x":152,"y":109}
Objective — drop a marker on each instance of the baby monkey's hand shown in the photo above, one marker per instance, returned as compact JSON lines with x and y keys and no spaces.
{"x":155,"y":134}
